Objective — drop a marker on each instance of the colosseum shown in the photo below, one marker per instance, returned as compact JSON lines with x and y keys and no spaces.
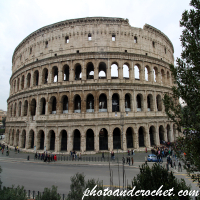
{"x":90,"y":85}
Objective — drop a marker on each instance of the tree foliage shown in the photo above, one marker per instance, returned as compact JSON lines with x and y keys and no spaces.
{"x":187,"y":87}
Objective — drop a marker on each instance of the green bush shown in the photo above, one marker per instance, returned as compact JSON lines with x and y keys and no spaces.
{"x":13,"y":193}
{"x":2,"y":131}
{"x":49,"y":194}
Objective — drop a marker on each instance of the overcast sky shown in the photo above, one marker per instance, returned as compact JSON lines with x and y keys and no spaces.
{"x":19,"y":18}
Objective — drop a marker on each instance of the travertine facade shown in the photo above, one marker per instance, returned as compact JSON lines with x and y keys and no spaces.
{"x":90,"y":84}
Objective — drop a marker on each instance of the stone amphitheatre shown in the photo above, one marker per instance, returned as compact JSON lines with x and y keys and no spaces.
{"x":90,"y":85}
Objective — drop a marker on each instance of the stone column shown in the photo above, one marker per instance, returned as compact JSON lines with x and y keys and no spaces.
{"x":109,"y":102}
{"x":110,"y":141}
{"x":70,"y":141}
{"x":96,"y":102}
{"x":157,"y":138}
{"x":122,"y":102}
{"x":124,"y":140}
{"x":96,"y":140}
{"x":83,"y":70}
{"x":96,"y":70}
{"x":60,"y":72}
{"x":108,"y":70}
{"x":57,"y":143}
{"x":120,"y":70}
{"x":83,"y":143}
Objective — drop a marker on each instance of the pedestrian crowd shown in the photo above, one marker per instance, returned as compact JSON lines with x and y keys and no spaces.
{"x":46,"y":157}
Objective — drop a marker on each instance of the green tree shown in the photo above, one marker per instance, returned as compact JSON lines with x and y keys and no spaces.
{"x":187,"y":86}
{"x":4,"y":121}
{"x":153,"y":178}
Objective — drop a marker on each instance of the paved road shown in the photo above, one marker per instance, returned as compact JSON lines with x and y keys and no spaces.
{"x":35,"y":174}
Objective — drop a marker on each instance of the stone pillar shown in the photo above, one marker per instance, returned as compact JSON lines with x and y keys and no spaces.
{"x":96,"y":140}
{"x":145,"y":101}
{"x":60,"y":72}
{"x":83,"y":70}
{"x":57,"y":143}
{"x":120,"y":70}
{"x":40,"y":76}
{"x":122,"y":102}
{"x":71,"y":72}
{"x":70,"y":141}
{"x":96,"y":70}
{"x":157,"y":138}
{"x":147,"y":137}
{"x":124,"y":140}
{"x":108,"y":70}
{"x":70,"y":104}
{"x":83,"y":143}
{"x":47,"y":139}
{"x":83,"y":103}
{"x":110,"y":141}
{"x":96,"y":102}
{"x":109,"y":102}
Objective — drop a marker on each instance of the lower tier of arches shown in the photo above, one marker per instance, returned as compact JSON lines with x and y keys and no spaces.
{"x":94,"y":138}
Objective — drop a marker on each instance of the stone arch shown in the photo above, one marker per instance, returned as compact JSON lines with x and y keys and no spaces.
{"x":31,"y":139}
{"x":14,"y":86}
{"x":77,"y":104}
{"x":52,"y":105}
{"x":152,"y":135}
{"x":161,"y":134}
{"x":150,"y":105}
{"x":140,"y":102}
{"x":115,"y":102}
{"x":17,"y":138}
{"x":64,"y":104}
{"x":90,"y":140}
{"x":168,"y":133}
{"x":42,"y":106}
{"x":33,"y":107}
{"x":20,"y":109}
{"x":18,"y":80}
{"x":51,"y":138}
{"x":141,"y":136}
{"x":162,"y":76}
{"x":25,"y":108}
{"x":155,"y":74}
{"x":129,"y":137}
{"x":36,"y":78}
{"x":45,"y":76}
{"x":54,"y":77}
{"x":76,"y":140}
{"x":103,"y":139}
{"x":40,"y":140}
{"x":78,"y":71}
{"x":28,"y":80}
{"x":23,"y":139}
{"x":11,"y":110}
{"x":114,"y":70}
{"x":63,"y":140}
{"x":90,"y":70}
{"x":102,"y":70}
{"x":128,"y":102}
{"x":159,"y":102}
{"x":102,"y":103}
{"x":15,"y":108}
{"x":137,"y":70}
{"x":147,"y":73}
{"x":117,"y":138}
{"x":126,"y":70}
{"x":66,"y":72}
{"x":90,"y":103}
{"x":22,"y":82}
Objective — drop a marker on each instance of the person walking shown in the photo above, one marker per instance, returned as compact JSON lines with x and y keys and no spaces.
{"x":132,"y":160}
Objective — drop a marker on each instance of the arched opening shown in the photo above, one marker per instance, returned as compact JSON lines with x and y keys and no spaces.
{"x":65,"y":104}
{"x":168,"y":77}
{"x":135,"y":39}
{"x":17,"y":138}
{"x":52,"y":140}
{"x":125,"y":71}
{"x":66,"y":73}
{"x":20,"y":109}
{"x":147,"y":73}
{"x":76,"y":142}
{"x":89,"y":36}
{"x":23,"y":140}
{"x":90,"y":71}
{"x":150,"y":102}
{"x":159,"y":103}
{"x":141,"y":137}
{"x":116,"y":138}
{"x":168,"y":133}
{"x":52,"y":105}
{"x":67,"y":39}
{"x":63,"y":135}
{"x":11,"y":110}
{"x":28,"y":80}
{"x":45,"y":76}
{"x":114,"y":71}
{"x":90,"y":103}
{"x":103,"y":139}
{"x":40,"y":140}
{"x":14,"y":87}
{"x":139,"y":99}
{"x":15,"y":107}
{"x":25,"y":107}
{"x":78,"y":72}
{"x":161,"y":134}
{"x":54,"y":74}
{"x":42,"y":106}
{"x":77,"y":104}
{"x":31,"y":140}
{"x":36,"y":78}
{"x":115,"y":103}
{"x":127,"y":103}
{"x":102,"y":70}
{"x":129,"y":137}
{"x":155,"y":74}
{"x":152,"y":135}
{"x":89,"y":140}
{"x":22,"y":82}
{"x":102,"y":103}
{"x":162,"y":76}
{"x":18,"y":84}
{"x":137,"y":72}
{"x":33,"y":107}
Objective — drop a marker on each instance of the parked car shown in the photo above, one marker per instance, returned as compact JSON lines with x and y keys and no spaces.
{"x":152,"y":158}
